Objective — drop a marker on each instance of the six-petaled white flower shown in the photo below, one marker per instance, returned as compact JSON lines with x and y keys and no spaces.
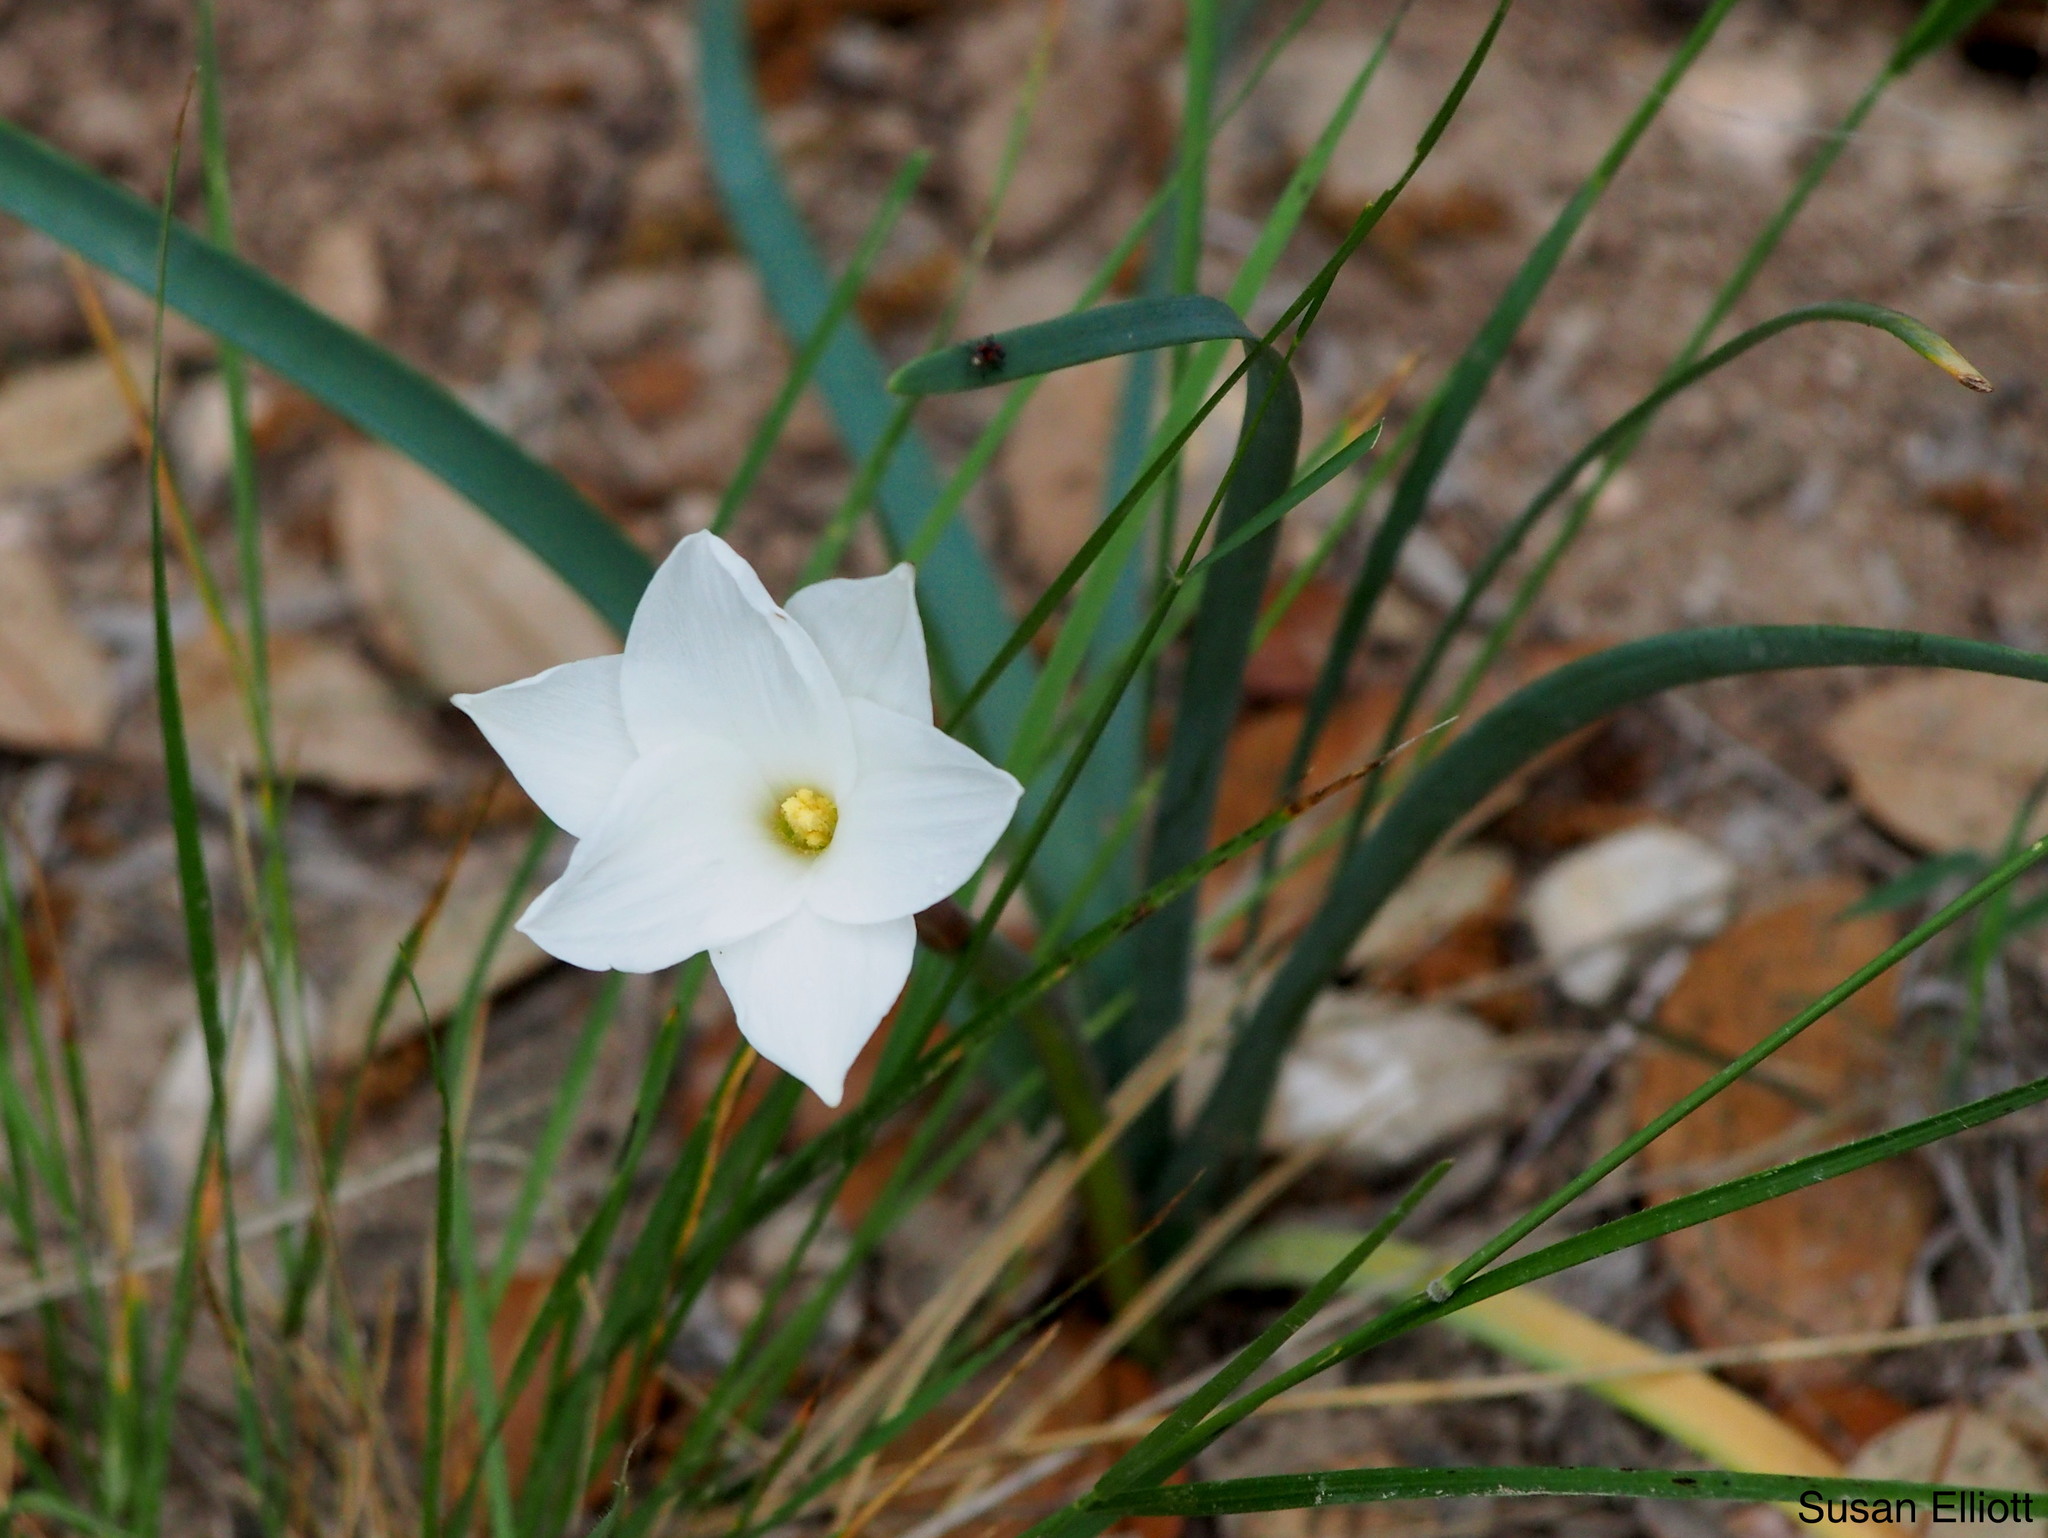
{"x":761,"y":783}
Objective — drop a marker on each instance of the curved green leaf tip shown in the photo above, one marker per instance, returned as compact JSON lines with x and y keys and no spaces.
{"x":1108,"y":331}
{"x":1938,"y":350}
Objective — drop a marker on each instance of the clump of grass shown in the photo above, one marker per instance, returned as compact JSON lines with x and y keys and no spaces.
{"x":1108,"y":848}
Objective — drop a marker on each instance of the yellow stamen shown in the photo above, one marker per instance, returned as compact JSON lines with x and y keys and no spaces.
{"x":806,"y":819}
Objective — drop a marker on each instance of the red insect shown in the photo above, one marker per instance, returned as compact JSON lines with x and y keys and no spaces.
{"x":986,"y":355}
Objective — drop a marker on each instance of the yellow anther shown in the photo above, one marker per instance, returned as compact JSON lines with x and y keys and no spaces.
{"x":806,"y":819}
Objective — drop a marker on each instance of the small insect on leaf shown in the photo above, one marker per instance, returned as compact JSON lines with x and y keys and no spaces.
{"x":986,"y":355}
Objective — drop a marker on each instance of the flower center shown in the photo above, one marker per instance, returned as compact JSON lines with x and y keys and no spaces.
{"x":806,"y":819}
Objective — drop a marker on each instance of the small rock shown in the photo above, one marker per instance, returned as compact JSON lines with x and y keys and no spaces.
{"x":59,"y":420}
{"x":2020,"y":1404}
{"x":174,"y":1126}
{"x":1395,"y":1080}
{"x":57,"y":692}
{"x":201,"y":438}
{"x":623,"y":311}
{"x":110,"y":127}
{"x":671,"y":208}
{"x":446,"y":591}
{"x":1952,"y":1445}
{"x":1591,"y":908}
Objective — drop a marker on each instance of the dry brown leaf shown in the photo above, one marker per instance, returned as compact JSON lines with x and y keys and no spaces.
{"x":654,"y":386}
{"x":334,"y":720}
{"x":1254,"y":766}
{"x":908,"y":288}
{"x":442,"y":967}
{"x":21,"y":1416}
{"x":58,"y":420}
{"x":1945,"y":760}
{"x":1992,"y":507}
{"x":341,"y":272}
{"x":1088,"y":113}
{"x":1302,"y":93}
{"x":446,"y":591}
{"x":1843,"y":1416}
{"x":1287,"y":663}
{"x":56,"y":686}
{"x":1832,"y":1258}
{"x":1052,"y":464}
{"x":1263,"y":741}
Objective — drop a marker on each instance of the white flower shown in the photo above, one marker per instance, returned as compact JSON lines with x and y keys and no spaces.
{"x":760,"y":783}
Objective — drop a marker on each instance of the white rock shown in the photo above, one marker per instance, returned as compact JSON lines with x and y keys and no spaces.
{"x":1394,"y":1079}
{"x":1593,"y":906}
{"x":1954,"y":1446}
{"x":174,"y":1126}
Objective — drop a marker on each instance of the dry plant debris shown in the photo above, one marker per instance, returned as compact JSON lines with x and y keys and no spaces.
{"x":1819,"y":1261}
{"x":447,"y":593}
{"x":57,"y":690}
{"x":60,"y":420}
{"x":1946,"y":761}
{"x":336,"y":721}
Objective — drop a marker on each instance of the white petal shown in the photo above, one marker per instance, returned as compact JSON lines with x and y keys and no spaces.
{"x":709,"y":654}
{"x":683,"y":859}
{"x":809,"y":992}
{"x":868,"y":630}
{"x":923,"y":816}
{"x":563,"y":735}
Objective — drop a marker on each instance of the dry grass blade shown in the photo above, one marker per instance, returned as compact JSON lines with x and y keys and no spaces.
{"x":1165,"y":1284}
{"x":889,"y":1382}
{"x":954,"y":1433}
{"x":109,"y":343}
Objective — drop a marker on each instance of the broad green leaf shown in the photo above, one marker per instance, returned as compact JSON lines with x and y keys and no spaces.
{"x":965,"y":616}
{"x":1067,"y":341}
{"x":1220,"y":636}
